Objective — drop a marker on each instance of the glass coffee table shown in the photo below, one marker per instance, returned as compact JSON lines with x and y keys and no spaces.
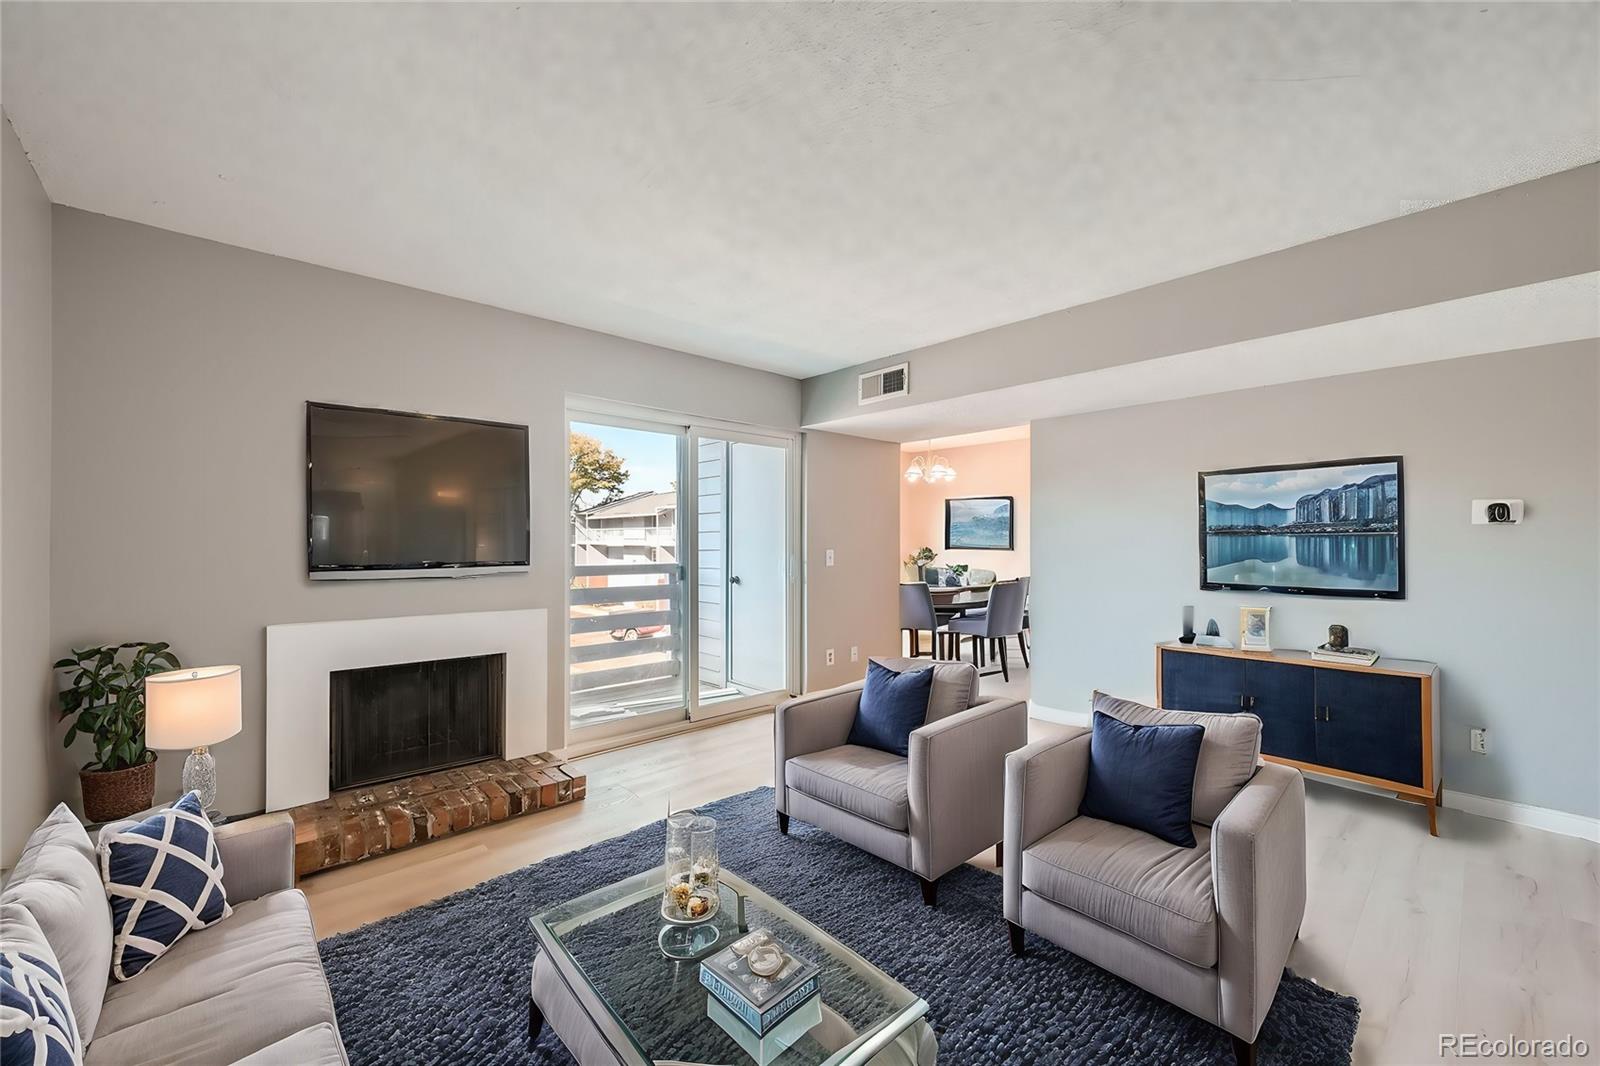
{"x":620,"y":985}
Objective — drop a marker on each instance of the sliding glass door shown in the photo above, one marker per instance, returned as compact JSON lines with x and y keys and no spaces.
{"x":743,"y":632}
{"x":683,"y":597}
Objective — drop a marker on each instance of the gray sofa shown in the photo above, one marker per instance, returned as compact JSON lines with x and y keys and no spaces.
{"x":1208,"y":928}
{"x":927,"y":813}
{"x":249,"y":990}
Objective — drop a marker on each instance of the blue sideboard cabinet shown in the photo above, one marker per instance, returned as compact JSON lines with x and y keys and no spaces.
{"x":1378,"y":724}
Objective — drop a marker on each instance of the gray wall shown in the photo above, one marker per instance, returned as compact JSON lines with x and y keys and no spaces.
{"x":25,"y":652}
{"x":1511,"y":614}
{"x":852,"y":505}
{"x":181,"y":370}
{"x":1520,"y":235}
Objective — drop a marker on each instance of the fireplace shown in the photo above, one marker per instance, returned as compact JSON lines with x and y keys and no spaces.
{"x":393,"y":721}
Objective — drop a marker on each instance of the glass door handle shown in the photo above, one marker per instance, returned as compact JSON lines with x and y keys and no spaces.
{"x":734,"y":580}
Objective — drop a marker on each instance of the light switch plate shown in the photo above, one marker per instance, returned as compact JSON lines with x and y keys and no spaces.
{"x":827,"y":559}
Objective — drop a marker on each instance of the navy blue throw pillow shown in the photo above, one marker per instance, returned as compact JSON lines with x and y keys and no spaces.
{"x":1142,"y":776}
{"x":892,"y":705}
{"x":164,"y":878}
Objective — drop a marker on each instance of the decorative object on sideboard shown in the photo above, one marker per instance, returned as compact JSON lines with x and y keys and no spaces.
{"x":981,"y":523}
{"x":1332,"y":528}
{"x":1496,"y":512}
{"x":1255,"y":629}
{"x":1188,"y":626}
{"x":104,"y":697}
{"x":1213,"y":637}
{"x":1338,"y":638}
{"x":194,"y":709}
{"x":1338,"y":649}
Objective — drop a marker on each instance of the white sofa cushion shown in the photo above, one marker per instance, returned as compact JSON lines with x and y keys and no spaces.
{"x":316,"y":1046}
{"x":57,"y":881}
{"x":222,"y":993}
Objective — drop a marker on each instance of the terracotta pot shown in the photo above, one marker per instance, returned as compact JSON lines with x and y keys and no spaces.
{"x":112,"y":794}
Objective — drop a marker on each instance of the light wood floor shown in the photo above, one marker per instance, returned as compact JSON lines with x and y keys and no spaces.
{"x":1488,"y":928}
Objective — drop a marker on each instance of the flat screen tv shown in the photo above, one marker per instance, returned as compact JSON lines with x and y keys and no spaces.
{"x":1335,"y":528}
{"x":394,"y":494}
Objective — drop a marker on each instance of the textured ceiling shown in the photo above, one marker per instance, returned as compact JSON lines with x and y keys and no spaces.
{"x":793,"y":186}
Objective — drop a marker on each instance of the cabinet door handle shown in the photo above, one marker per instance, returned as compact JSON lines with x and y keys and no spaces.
{"x":1243,"y":701}
{"x":1250,"y":706}
{"x":1322,"y":715}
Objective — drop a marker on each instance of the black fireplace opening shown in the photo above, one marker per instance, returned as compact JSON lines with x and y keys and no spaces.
{"x":395,"y":721}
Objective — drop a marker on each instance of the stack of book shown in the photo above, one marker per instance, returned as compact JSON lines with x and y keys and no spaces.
{"x":764,"y":1015}
{"x":1355,"y":656}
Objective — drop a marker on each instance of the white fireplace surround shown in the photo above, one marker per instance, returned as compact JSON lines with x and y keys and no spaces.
{"x":300,"y":656}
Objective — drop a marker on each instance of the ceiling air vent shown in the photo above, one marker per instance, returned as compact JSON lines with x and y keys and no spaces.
{"x":883,"y":384}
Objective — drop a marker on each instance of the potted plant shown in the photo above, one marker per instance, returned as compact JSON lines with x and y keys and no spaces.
{"x":918,"y":560}
{"x":105,"y":699}
{"x":960,"y":570}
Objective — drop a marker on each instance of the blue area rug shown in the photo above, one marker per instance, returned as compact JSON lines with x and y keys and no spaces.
{"x":448,"y":982}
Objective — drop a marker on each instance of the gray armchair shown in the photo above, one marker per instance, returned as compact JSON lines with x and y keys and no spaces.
{"x":927,"y":813}
{"x":1208,"y":928}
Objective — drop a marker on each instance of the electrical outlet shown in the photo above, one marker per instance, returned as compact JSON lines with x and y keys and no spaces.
{"x":830,"y":656}
{"x":855,"y":653}
{"x":827,"y":559}
{"x":1480,"y":742}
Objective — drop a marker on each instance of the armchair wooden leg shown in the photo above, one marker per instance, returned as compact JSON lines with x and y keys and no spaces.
{"x":930,"y":891}
{"x":1017,"y":946}
{"x":783,"y":823}
{"x":1000,"y":855}
{"x":1244,"y":1051}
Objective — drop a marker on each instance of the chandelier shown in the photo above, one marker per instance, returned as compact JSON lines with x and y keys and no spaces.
{"x":930,"y":467}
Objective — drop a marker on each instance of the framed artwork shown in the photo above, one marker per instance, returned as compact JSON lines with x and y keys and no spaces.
{"x":980,"y":523}
{"x":1255,"y":629}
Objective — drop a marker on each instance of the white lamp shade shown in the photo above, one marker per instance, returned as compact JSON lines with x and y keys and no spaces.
{"x":191,"y":708}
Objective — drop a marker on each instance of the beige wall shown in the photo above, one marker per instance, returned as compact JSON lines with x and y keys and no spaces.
{"x":1511,"y":614}
{"x":851,"y":506}
{"x":182,"y":369}
{"x":997,"y":469}
{"x":25,"y":652}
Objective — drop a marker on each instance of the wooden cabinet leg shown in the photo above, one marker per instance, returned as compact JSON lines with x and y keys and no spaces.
{"x":1433,"y":816}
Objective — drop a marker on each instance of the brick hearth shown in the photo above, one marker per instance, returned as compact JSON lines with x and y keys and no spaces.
{"x":362,"y":822}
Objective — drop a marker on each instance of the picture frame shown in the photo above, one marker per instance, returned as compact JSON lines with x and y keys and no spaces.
{"x":980,"y":523}
{"x":1255,"y":629}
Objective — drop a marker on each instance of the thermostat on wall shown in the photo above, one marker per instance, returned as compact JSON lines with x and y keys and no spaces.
{"x":1496,"y":512}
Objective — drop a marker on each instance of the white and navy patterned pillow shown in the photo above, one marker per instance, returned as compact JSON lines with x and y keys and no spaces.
{"x":164,"y":877}
{"x":36,"y":1023}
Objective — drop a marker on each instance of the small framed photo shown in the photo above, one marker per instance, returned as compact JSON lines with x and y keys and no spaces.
{"x":1255,"y":629}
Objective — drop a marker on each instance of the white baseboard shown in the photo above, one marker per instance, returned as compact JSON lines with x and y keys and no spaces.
{"x":1545,"y":818}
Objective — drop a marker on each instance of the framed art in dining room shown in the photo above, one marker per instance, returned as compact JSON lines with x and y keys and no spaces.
{"x":1255,"y":629}
{"x":980,"y":523}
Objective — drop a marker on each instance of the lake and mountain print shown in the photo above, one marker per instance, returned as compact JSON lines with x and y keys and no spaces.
{"x":980,"y":522}
{"x":1333,"y":529}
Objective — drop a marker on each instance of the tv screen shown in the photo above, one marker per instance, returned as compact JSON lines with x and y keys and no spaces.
{"x":1322,"y":529}
{"x":389,"y":492}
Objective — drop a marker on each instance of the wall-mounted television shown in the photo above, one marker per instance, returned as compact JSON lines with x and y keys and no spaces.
{"x":396,"y":494}
{"x":1333,"y":528}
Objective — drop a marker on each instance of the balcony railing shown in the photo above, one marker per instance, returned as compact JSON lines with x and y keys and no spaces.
{"x":608,"y":671}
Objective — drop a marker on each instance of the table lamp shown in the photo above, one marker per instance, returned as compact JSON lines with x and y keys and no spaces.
{"x":193,"y":709}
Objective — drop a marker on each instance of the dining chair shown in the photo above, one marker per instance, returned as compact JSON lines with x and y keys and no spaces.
{"x":1002,"y":619}
{"x":917,"y":614}
{"x":1022,"y":636}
